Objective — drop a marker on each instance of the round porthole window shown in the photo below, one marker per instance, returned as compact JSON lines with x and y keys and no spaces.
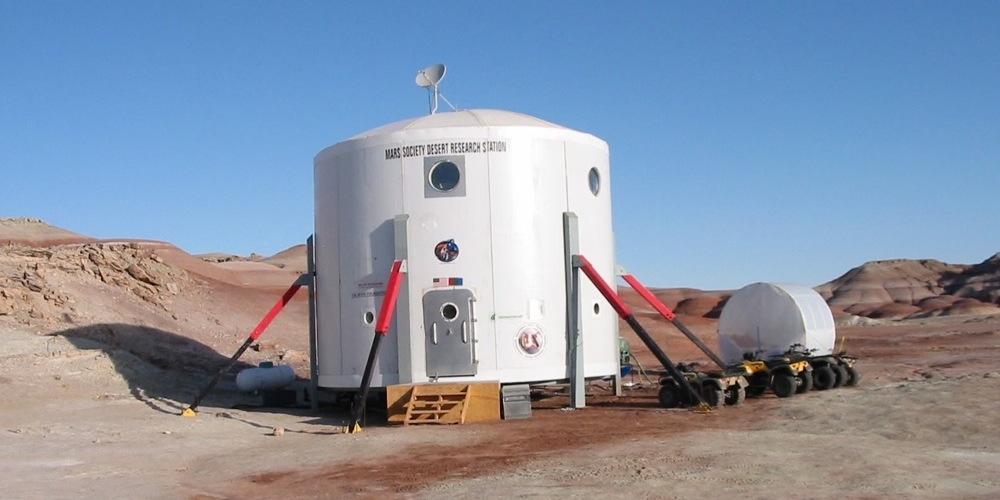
{"x":449,"y":312}
{"x":444,"y":176}
{"x":594,"y":178}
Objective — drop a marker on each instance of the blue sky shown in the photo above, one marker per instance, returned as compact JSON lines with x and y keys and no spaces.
{"x":750,"y":141}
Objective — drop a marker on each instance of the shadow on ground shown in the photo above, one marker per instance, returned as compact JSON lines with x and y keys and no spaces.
{"x":167,"y":371}
{"x":163,"y":369}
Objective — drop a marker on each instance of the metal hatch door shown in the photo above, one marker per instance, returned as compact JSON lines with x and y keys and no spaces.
{"x":449,"y":326}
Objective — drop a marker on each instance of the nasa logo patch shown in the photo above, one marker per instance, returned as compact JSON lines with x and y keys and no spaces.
{"x":446,"y":251}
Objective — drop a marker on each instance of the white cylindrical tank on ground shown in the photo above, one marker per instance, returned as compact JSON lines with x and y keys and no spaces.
{"x":767,"y":319}
{"x":265,"y":378}
{"x":474,"y":202}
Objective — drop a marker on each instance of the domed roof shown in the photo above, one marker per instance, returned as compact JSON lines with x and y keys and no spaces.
{"x":464,"y":124}
{"x":463,"y":118}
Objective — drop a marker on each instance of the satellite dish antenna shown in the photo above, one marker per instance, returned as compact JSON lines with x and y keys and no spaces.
{"x":431,"y":75}
{"x":429,"y":78}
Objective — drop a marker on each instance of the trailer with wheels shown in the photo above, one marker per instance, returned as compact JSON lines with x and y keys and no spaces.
{"x":773,"y":324}
{"x":716,"y":388}
{"x":830,"y":371}
{"x":784,"y":375}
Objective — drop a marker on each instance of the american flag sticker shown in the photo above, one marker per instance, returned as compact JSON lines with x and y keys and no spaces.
{"x":440,"y":282}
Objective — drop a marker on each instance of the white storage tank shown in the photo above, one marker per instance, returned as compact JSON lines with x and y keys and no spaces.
{"x":474,"y":201}
{"x":769,"y":318}
{"x":266,"y":377}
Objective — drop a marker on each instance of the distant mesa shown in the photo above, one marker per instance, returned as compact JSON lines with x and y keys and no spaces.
{"x":31,"y":232}
{"x":291,"y":259}
{"x":874,"y":291}
{"x":901,"y":288}
{"x":221,"y":257}
{"x":705,"y":305}
{"x":981,"y":281}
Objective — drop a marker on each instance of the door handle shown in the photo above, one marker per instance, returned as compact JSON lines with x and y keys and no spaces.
{"x":472,"y":318}
{"x":465,"y":332}
{"x":434,"y":333}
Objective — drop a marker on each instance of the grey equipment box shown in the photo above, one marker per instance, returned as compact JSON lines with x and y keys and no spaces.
{"x":516,"y":401}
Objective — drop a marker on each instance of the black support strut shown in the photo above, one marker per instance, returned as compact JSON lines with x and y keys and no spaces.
{"x":625,"y":313}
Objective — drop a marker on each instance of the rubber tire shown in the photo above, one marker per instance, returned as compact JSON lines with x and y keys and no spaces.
{"x":823,"y":378}
{"x":712,"y":394}
{"x":853,"y":377}
{"x":841,"y":373}
{"x":804,"y":381}
{"x":754,"y":391}
{"x":783,"y":385}
{"x":735,"y":395}
{"x":670,"y":396}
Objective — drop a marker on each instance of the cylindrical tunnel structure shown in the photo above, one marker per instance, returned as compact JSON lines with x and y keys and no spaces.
{"x":473,"y":201}
{"x":767,"y":319}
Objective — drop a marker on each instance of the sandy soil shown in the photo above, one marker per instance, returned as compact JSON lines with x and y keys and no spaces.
{"x":84,"y":420}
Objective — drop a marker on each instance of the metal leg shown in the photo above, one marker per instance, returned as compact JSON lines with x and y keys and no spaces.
{"x":574,"y":335}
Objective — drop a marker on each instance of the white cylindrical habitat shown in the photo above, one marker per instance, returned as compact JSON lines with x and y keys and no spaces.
{"x":473,"y":201}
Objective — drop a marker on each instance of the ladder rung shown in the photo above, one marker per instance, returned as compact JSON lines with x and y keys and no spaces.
{"x":432,"y":403}
{"x":431,"y":409}
{"x":414,"y":404}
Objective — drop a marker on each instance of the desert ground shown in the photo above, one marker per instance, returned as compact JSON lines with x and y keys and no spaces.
{"x":104,"y":342}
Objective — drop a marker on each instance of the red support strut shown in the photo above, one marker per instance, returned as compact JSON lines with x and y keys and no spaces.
{"x":602,"y":286}
{"x":269,"y":317}
{"x":389,"y":302}
{"x":381,"y":330}
{"x":671,"y":317}
{"x":626,"y":314}
{"x":264,"y":323}
{"x":646,"y":294}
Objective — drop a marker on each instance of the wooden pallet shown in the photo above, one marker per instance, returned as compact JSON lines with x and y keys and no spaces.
{"x":431,"y":405}
{"x":443,"y":403}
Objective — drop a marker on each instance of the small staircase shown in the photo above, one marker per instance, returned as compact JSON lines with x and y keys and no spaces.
{"x":437,"y":404}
